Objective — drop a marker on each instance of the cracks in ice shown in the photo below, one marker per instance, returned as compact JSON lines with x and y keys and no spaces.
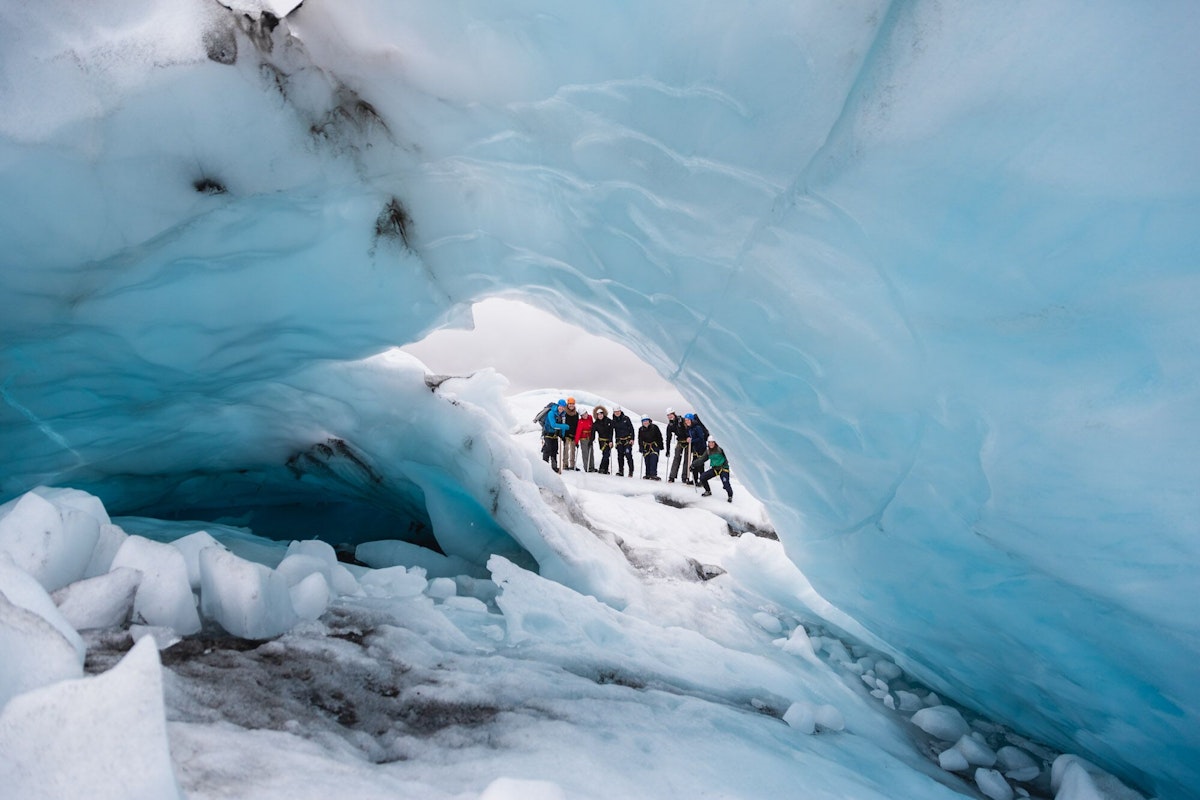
{"x":325,"y":457}
{"x":394,"y":223}
{"x":39,"y":423}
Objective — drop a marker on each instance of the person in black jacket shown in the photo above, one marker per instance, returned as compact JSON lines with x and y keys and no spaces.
{"x":602,"y":427}
{"x":698,"y":437}
{"x":678,"y":431}
{"x":650,"y":441}
{"x":623,"y":430}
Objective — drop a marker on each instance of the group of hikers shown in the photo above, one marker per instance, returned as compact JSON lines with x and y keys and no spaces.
{"x":569,"y":432}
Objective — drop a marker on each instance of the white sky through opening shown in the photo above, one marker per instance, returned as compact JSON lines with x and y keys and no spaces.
{"x":536,"y":350}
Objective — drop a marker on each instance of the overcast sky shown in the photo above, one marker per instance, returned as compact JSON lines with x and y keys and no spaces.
{"x":536,"y":350}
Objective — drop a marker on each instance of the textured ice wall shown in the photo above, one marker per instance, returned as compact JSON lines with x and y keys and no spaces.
{"x":931,"y":271}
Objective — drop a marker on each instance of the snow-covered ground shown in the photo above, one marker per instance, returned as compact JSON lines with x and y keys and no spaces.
{"x":423,"y":676}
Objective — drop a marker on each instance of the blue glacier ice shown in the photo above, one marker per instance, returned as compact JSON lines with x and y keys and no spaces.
{"x":931,"y":268}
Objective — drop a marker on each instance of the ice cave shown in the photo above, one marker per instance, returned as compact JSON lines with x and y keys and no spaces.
{"x":930,"y":268}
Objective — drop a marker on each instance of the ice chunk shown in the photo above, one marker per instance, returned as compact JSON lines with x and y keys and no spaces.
{"x":441,"y":588}
{"x":992,"y":784}
{"x":107,"y":544}
{"x":514,"y":789}
{"x":246,"y":599}
{"x":471,"y":604}
{"x":310,"y":596}
{"x":1073,"y":778}
{"x":797,"y":643}
{"x":340,"y":579}
{"x":829,"y":718}
{"x":393,"y":553}
{"x":887,"y":670}
{"x":23,"y":590}
{"x":801,"y":716}
{"x":943,"y":722}
{"x":1017,"y":764}
{"x":101,"y":602}
{"x":909,"y":701}
{"x":395,"y":582}
{"x":35,"y":654}
{"x":975,"y":751}
{"x":103,"y":738}
{"x":164,"y":596}
{"x":64,"y":498}
{"x":190,"y":546}
{"x":295,"y":567}
{"x":837,"y":651}
{"x":53,"y":545}
{"x":314,"y":548}
{"x":952,"y":760}
{"x":768,"y":622}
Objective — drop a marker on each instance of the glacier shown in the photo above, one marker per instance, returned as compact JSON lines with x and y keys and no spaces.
{"x":930,"y":269}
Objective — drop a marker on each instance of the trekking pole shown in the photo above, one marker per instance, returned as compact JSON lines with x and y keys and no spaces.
{"x":642,"y":471}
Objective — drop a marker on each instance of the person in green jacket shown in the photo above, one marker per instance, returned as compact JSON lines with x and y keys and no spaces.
{"x":718,"y":465}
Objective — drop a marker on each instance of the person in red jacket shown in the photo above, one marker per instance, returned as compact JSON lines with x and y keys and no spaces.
{"x":583,"y":438}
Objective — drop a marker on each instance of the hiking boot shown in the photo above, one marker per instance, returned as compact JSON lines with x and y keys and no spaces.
{"x":621,"y":474}
{"x":706,"y":494}
{"x":730,"y":500}
{"x":670,"y":480}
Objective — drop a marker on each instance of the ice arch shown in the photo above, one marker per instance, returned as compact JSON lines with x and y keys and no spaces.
{"x":933,"y":268}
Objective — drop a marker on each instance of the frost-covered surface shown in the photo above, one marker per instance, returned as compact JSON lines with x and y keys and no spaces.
{"x":930,"y":268}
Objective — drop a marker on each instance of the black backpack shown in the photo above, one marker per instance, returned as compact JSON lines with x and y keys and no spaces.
{"x":541,"y":415}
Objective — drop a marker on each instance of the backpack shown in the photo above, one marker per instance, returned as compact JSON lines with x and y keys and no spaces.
{"x":541,"y":415}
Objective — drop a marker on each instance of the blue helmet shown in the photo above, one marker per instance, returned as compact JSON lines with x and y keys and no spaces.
{"x":689,"y":416}
{"x":561,"y":402}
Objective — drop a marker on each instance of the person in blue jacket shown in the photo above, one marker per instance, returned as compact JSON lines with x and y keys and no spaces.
{"x":554,"y":429}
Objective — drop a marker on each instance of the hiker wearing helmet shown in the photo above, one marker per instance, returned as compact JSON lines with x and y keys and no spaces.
{"x":553,"y":430}
{"x":677,"y":430}
{"x":571,"y":417}
{"x":697,"y":440}
{"x":623,"y":431}
{"x":583,"y":439}
{"x":718,"y":465}
{"x":650,"y":441}
{"x":602,"y":427}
